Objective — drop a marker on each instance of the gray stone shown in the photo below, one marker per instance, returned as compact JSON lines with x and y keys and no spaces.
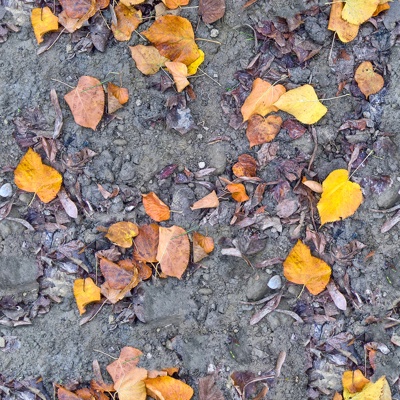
{"x":127,"y":172}
{"x":275,"y":282}
{"x":257,"y":288}
{"x":217,"y":158}
{"x":6,"y":190}
{"x":389,"y":197}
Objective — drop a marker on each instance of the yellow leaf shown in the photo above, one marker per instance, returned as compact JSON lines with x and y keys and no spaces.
{"x":167,"y":388}
{"x":174,"y":4}
{"x":340,"y":197}
{"x":381,"y":7}
{"x":85,"y":292}
{"x":116,"y":97}
{"x":33,"y":176}
{"x":354,"y":381}
{"x":345,"y":30}
{"x":179,"y":72}
{"x":202,"y":246}
{"x":367,"y":80}
{"x":148,"y":59}
{"x":43,"y":21}
{"x":302,"y":268}
{"x":121,"y":233}
{"x":358,"y":11}
{"x":192,"y":68}
{"x":303,"y":104}
{"x":379,"y":390}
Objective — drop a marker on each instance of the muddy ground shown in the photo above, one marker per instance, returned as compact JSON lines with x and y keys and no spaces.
{"x":199,"y":322}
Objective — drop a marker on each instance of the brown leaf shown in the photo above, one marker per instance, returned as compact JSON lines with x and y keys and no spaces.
{"x":131,"y":386}
{"x":173,"y":251}
{"x":155,"y":208}
{"x":209,"y":201}
{"x":202,"y":246}
{"x":64,"y":394}
{"x":146,"y":243}
{"x":116,"y":97}
{"x":337,"y":297}
{"x":86,"y":102}
{"x":263,"y":130}
{"x":294,"y":129}
{"x":246,"y":166}
{"x":128,"y":19}
{"x":121,"y":233}
{"x":147,"y":58}
{"x":211,"y":10}
{"x":268,"y":308}
{"x":116,"y":276}
{"x":208,"y":390}
{"x":68,"y":205}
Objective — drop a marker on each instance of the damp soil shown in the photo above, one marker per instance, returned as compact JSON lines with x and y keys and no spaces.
{"x":200,"y":323}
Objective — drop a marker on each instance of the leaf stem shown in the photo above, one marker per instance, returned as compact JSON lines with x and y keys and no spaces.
{"x":336,"y":97}
{"x":362,"y":162}
{"x":209,"y":40}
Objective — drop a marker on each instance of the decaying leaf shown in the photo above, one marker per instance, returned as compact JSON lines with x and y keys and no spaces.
{"x":211,"y":10}
{"x":179,"y":72}
{"x":128,"y":19}
{"x":209,"y":201}
{"x":263,"y":130}
{"x":345,"y":30}
{"x":64,"y":394}
{"x":246,"y":166}
{"x":208,"y":390}
{"x":238,"y":191}
{"x":127,"y":362}
{"x":43,"y":21}
{"x":303,"y":104}
{"x":86,"y":102}
{"x":155,"y":208}
{"x":173,"y":251}
{"x":358,"y":11}
{"x":368,"y":80}
{"x":261,"y":99}
{"x":146,"y":244}
{"x":85,"y":292}
{"x":167,"y":388}
{"x":173,"y":4}
{"x":130,"y":3}
{"x":340,"y":197}
{"x":173,"y":36}
{"x":302,"y":268}
{"x":116,"y":97}
{"x":121,"y":233}
{"x":148,"y":59}
{"x":115,"y":275}
{"x":33,"y":176}
{"x":202,"y":246}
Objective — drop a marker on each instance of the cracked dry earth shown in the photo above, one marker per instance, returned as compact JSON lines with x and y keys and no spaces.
{"x":201,"y":323}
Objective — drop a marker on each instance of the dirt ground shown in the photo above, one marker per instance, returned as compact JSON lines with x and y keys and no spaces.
{"x":199,"y":323}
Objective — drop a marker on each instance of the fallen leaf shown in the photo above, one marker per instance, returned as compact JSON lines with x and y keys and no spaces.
{"x":167,"y":388}
{"x":192,"y":68}
{"x":173,"y":4}
{"x":33,"y":176}
{"x":116,"y":97}
{"x":130,"y":3}
{"x":64,"y":394}
{"x":345,"y":30}
{"x":211,"y":10}
{"x":294,"y":129}
{"x":261,"y":99}
{"x":246,"y":166}
{"x":131,"y":386}
{"x":85,"y":292}
{"x":337,"y":296}
{"x":127,"y":362}
{"x":202,"y":246}
{"x":86,"y":102}
{"x":179,"y":72}
{"x":379,"y":390}
{"x":313,"y":185}
{"x":340,"y":197}
{"x":147,"y":58}
{"x":68,"y":205}
{"x":238,"y":192}
{"x":302,"y":268}
{"x":358,"y":11}
{"x":128,"y":19}
{"x":77,"y":12}
{"x":146,"y":243}
{"x":115,"y":275}
{"x":208,"y":390}
{"x":381,"y":8}
{"x":43,"y":21}
{"x":367,"y":80}
{"x":337,"y":396}
{"x":155,"y":208}
{"x":173,"y":251}
{"x":209,"y":201}
{"x":263,"y":130}
{"x":354,"y":381}
{"x":77,"y":8}
{"x":121,"y":233}
{"x":173,"y":36}
{"x":303,"y":104}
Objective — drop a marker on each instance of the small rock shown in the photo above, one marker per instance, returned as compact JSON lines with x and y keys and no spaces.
{"x":6,"y":190}
{"x":205,"y":291}
{"x":210,"y":369}
{"x":2,"y":342}
{"x":202,"y":165}
{"x":214,"y":33}
{"x":275,"y":282}
{"x":138,"y":103}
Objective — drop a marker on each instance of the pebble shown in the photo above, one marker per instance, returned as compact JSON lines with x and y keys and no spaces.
{"x":138,"y":102}
{"x":205,"y":291}
{"x":6,"y":190}
{"x":2,"y":342}
{"x":202,"y":164}
{"x":214,"y":33}
{"x":275,"y":282}
{"x":211,"y":369}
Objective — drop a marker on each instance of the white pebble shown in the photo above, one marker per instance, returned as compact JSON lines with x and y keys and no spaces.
{"x":211,"y":369}
{"x":202,"y":164}
{"x":6,"y":190}
{"x":214,"y":33}
{"x":138,"y":103}
{"x":275,"y":282}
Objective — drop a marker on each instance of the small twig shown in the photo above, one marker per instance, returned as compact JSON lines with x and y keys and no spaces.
{"x":66,"y":84}
{"x":208,"y":40}
{"x":362,"y":162}
{"x":334,"y":98}
{"x":91,"y":318}
{"x":58,"y":37}
{"x":387,"y":210}
{"x":208,"y":76}
{"x":140,"y":35}
{"x":106,"y":354}
{"x":331,"y":50}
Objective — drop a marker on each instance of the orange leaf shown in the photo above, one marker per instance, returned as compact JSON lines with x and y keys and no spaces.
{"x":345,"y":30}
{"x":147,"y":58}
{"x":121,"y":233}
{"x":171,"y":370}
{"x":167,"y":388}
{"x":115,"y":275}
{"x":155,"y":208}
{"x":340,"y":197}
{"x":128,"y":19}
{"x":246,"y":166}
{"x":173,"y":36}
{"x":127,"y":362}
{"x":379,"y":390}
{"x":116,"y":97}
{"x":146,"y":243}
{"x":209,"y":201}
{"x":263,"y":130}
{"x":367,"y":80}
{"x":43,"y":21}
{"x":86,"y":102}
{"x":33,"y":176}
{"x":202,"y":246}
{"x":85,"y":292}
{"x":337,"y":396}
{"x":174,"y":4}
{"x":76,"y":13}
{"x":381,"y":8}
{"x":143,"y":269}
{"x":130,"y":3}
{"x":238,"y":192}
{"x":155,"y":374}
{"x":77,"y":8}
{"x":64,"y":394}
{"x":179,"y":72}
{"x":359,"y":11}
{"x":302,"y":268}
{"x":261,"y":99}
{"x":173,"y":251}
{"x":131,"y":386}
{"x":354,"y":381}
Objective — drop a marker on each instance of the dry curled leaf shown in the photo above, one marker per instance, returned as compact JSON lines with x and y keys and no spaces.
{"x":33,"y":176}
{"x":128,"y":19}
{"x":345,"y":30}
{"x":209,"y":201}
{"x":86,"y":102}
{"x":313,"y":185}
{"x":302,"y":268}
{"x":43,"y":21}
{"x":85,"y":292}
{"x":146,"y":243}
{"x":246,"y":166}
{"x":263,"y":130}
{"x":303,"y":104}
{"x":116,"y":97}
{"x":148,"y":59}
{"x":167,"y":388}
{"x":155,"y":208}
{"x":238,"y":191}
{"x":368,"y":80}
{"x":121,"y":233}
{"x":358,"y":11}
{"x":211,"y":10}
{"x":174,"y":4}
{"x":179,"y":72}
{"x":340,"y":197}
{"x":202,"y":246}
